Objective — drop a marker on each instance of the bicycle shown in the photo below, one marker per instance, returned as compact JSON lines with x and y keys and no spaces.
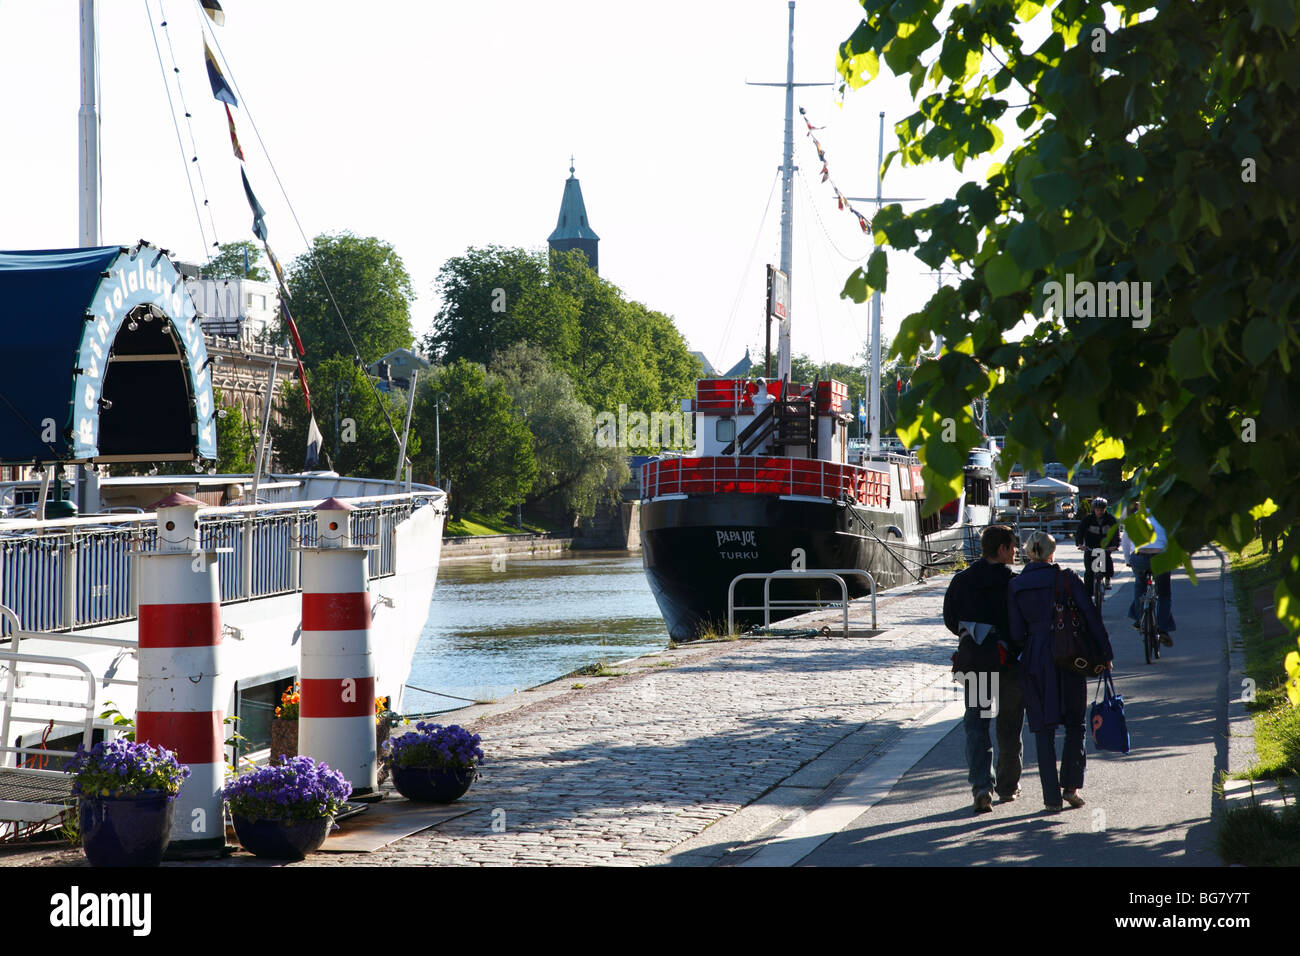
{"x":1147,"y":619}
{"x":1098,"y":577}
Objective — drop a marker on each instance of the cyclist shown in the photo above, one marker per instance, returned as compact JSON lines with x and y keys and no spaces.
{"x":1092,"y":531}
{"x":1139,"y":559}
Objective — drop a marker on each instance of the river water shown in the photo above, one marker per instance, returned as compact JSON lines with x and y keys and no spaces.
{"x":494,"y":630}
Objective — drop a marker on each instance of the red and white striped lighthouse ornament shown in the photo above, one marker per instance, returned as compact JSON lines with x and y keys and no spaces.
{"x":336,"y":717}
{"x":181,"y":690}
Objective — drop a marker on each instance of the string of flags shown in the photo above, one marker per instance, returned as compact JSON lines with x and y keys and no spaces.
{"x":222,"y":92}
{"x":841,"y":199}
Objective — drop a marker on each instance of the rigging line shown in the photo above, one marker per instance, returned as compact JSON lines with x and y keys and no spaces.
{"x":23,"y":418}
{"x":812,"y":277}
{"x":179,"y":144}
{"x":822,"y":223}
{"x":356,"y":352}
{"x":189,"y":125}
{"x":740,"y":291}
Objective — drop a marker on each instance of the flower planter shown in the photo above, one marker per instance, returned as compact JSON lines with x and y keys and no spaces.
{"x":282,"y":839}
{"x":432,"y":785}
{"x":125,"y":831}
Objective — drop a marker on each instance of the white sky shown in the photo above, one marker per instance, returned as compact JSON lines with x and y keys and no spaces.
{"x":437,"y":126}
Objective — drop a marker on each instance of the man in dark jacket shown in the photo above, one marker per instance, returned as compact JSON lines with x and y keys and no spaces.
{"x":1091,"y":536}
{"x":975,"y":609}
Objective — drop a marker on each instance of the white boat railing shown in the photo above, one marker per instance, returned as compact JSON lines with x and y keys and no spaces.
{"x":77,"y":572}
{"x":800,"y":604}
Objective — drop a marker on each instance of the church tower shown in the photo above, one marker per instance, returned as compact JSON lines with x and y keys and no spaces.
{"x":572,"y":230}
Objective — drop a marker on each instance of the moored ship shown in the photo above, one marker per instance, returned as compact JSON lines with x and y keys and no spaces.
{"x":769,"y":488}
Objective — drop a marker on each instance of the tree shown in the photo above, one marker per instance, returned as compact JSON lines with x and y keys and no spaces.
{"x":1159,"y":152}
{"x":487,"y":450}
{"x":235,"y":446}
{"x":495,"y":297}
{"x":571,"y":468}
{"x":371,"y":287}
{"x":614,"y":351}
{"x":229,"y":262}
{"x":359,"y":441}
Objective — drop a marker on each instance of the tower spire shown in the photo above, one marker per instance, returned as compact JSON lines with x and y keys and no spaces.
{"x":571,"y":229}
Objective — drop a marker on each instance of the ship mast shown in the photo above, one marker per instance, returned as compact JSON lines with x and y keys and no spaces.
{"x":787,"y":204}
{"x":873,"y":371}
{"x":787,"y":194}
{"x":88,"y":207}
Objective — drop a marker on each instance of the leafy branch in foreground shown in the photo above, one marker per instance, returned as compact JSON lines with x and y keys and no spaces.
{"x":1128,"y":273}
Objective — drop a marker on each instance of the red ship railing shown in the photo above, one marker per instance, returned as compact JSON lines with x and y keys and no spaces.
{"x":753,"y":475}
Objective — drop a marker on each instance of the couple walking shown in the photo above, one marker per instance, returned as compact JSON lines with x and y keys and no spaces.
{"x":1004,"y":657}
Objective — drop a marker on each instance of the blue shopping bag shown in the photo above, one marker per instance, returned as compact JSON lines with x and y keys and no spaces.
{"x":1106,"y":718}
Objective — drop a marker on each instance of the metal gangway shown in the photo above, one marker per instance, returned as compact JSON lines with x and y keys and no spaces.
{"x":797,"y":604}
{"x":33,"y":795}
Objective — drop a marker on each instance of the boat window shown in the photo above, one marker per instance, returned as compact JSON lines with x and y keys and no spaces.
{"x":255,"y":703}
{"x":726,"y":430}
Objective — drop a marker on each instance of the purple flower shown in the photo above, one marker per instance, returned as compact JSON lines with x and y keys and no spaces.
{"x":297,"y":788}
{"x":432,"y":745}
{"x":122,"y":768}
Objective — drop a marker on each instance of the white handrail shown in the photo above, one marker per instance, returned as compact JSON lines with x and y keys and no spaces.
{"x":208,"y":511}
{"x":766,"y":606}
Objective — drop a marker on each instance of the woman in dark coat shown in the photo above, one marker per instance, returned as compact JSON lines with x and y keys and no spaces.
{"x":1053,"y":697}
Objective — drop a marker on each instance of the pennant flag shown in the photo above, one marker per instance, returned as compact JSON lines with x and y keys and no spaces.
{"x":293,"y":328}
{"x":259,"y":225}
{"x":862,"y":412}
{"x":279,"y":271}
{"x":213,"y":10}
{"x":863,"y":221}
{"x":220,"y":88}
{"x":234,"y":140}
{"x":314,"y":441}
{"x":302,"y":378}
{"x":826,"y":173}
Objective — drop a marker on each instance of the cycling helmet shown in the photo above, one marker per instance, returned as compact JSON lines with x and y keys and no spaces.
{"x":1099,"y":500}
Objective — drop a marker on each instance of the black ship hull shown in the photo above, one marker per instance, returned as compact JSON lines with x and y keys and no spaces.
{"x":694,"y":547}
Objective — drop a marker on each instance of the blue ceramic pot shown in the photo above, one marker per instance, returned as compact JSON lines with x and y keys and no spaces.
{"x":282,"y":839}
{"x":125,"y":831}
{"x":432,"y":785}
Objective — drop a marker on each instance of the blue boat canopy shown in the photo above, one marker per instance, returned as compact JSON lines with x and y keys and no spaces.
{"x":102,"y":359}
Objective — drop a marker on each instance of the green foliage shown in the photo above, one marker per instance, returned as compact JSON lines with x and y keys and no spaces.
{"x":235,"y":446}
{"x":1257,"y":836}
{"x":228,"y":263}
{"x":363,"y":443}
{"x":571,"y":467}
{"x":1161,"y":152}
{"x":487,"y":450}
{"x":495,"y":297}
{"x":614,"y":350}
{"x":372,"y":289}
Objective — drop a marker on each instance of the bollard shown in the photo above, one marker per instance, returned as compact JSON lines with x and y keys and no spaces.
{"x":336,"y":718}
{"x":179,"y":705}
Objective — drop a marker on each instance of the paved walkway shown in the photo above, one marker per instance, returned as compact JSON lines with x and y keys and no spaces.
{"x":829,"y":751}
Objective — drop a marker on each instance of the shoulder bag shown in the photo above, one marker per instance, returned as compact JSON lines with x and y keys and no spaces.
{"x":1073,"y":649}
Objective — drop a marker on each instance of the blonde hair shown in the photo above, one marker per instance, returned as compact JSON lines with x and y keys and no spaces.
{"x":1040,"y":546}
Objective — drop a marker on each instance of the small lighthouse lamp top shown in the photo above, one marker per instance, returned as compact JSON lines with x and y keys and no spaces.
{"x":332,"y":524}
{"x":178,"y":522}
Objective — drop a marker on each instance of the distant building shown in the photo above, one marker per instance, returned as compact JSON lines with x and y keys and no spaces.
{"x":572,"y":231}
{"x":240,"y":309}
{"x":709,"y":370}
{"x":740,"y":369}
{"x":396,"y":367}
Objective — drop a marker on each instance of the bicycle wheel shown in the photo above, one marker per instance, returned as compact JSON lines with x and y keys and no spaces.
{"x":1150,"y":641}
{"x":1098,"y":590}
